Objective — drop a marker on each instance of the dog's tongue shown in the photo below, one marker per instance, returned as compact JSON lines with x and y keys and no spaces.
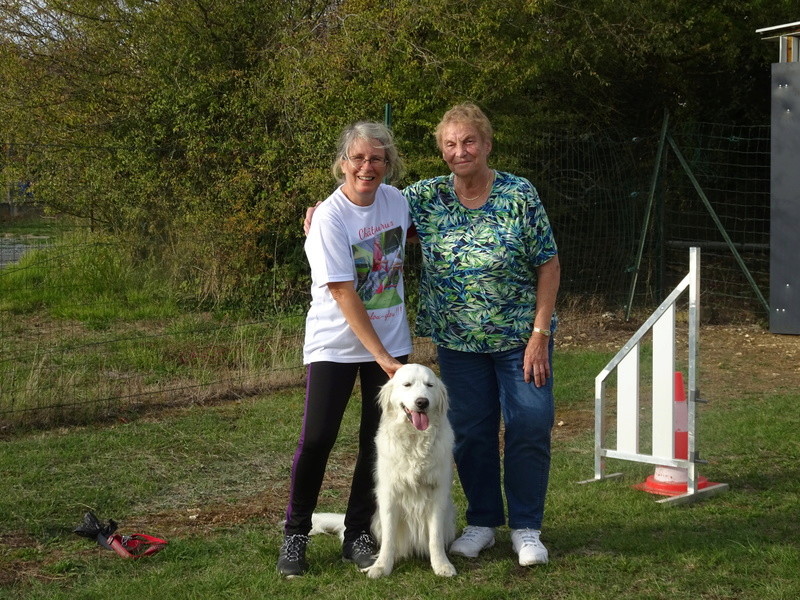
{"x":419,"y":420}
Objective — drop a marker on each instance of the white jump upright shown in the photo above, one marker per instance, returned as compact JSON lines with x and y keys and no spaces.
{"x":628,"y":416}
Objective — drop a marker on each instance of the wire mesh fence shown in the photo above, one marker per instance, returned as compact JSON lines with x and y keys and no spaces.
{"x":70,"y":353}
{"x":731,"y":166}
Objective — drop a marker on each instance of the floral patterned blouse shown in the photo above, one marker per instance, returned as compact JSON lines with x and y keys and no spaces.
{"x":478,"y":287}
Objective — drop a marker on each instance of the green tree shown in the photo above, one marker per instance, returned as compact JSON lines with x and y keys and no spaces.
{"x":197,"y":131}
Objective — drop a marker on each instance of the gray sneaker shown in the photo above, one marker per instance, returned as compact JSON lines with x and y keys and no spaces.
{"x":292,"y":557}
{"x":362,"y":551}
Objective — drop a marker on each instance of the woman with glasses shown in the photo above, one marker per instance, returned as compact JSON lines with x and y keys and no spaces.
{"x":356,"y":326}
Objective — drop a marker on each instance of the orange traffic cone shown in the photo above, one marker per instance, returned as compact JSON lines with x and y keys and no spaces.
{"x":674,"y":481}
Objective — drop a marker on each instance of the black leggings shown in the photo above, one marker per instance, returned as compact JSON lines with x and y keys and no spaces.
{"x":328,"y":389}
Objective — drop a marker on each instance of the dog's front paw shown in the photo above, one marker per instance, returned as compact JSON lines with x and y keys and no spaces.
{"x":378,"y":570}
{"x":444,"y":569}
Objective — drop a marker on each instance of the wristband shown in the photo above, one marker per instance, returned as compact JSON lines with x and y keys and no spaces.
{"x":544,"y":332}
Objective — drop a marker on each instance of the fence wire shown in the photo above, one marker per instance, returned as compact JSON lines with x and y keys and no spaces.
{"x":79,"y":361}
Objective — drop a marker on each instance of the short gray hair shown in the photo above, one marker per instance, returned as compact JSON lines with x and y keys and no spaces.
{"x":467,"y":113}
{"x":368,"y":130}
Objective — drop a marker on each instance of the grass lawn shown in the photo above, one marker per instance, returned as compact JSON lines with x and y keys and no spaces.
{"x":209,"y":471}
{"x":213,"y":481}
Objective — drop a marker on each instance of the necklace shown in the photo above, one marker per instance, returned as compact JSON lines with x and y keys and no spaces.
{"x":483,"y":191}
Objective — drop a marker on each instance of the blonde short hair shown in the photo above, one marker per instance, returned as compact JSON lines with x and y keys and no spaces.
{"x":368,"y":130}
{"x":469,"y":113}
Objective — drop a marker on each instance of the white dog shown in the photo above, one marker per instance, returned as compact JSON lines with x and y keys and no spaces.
{"x":414,"y":474}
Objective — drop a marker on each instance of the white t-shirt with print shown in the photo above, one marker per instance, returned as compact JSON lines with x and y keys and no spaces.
{"x":366,"y":245}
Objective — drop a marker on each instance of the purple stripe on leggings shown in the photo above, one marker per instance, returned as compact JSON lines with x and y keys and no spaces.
{"x":299,"y":447}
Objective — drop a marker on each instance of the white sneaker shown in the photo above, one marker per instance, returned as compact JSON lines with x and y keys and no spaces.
{"x":473,"y":539}
{"x":529,"y":547}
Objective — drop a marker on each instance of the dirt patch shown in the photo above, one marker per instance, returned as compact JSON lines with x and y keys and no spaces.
{"x":747,"y":359}
{"x":740,"y":358}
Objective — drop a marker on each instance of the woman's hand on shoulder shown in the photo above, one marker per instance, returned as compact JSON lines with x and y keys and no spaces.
{"x":309,"y":215}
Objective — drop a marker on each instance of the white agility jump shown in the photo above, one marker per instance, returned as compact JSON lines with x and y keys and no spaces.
{"x":672,"y":464}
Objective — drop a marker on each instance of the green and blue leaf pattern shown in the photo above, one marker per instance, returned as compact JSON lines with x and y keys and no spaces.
{"x":478,"y":286}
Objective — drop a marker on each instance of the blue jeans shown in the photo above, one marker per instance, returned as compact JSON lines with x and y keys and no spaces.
{"x":482,"y":387}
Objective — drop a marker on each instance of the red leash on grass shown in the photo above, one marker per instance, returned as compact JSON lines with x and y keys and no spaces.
{"x":127,"y":546}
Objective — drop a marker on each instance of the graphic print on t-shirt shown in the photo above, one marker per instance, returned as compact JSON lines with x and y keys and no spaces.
{"x":379,"y":264}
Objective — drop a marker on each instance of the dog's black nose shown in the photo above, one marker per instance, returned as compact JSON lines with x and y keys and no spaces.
{"x":421,"y":403}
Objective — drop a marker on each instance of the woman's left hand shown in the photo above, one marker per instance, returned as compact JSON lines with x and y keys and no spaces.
{"x":536,"y":364}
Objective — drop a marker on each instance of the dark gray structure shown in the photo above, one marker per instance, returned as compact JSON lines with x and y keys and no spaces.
{"x":784,"y":285}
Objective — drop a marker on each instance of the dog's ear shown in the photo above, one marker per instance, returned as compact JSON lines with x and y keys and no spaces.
{"x":443,"y":399}
{"x":385,"y":395}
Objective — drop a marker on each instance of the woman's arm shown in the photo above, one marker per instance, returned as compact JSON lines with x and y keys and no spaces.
{"x":537,"y":364}
{"x":357,"y":318}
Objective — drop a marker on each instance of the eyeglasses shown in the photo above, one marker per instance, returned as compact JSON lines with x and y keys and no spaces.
{"x":358,"y":161}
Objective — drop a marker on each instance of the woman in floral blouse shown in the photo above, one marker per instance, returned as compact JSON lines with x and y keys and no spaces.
{"x":487,"y":300}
